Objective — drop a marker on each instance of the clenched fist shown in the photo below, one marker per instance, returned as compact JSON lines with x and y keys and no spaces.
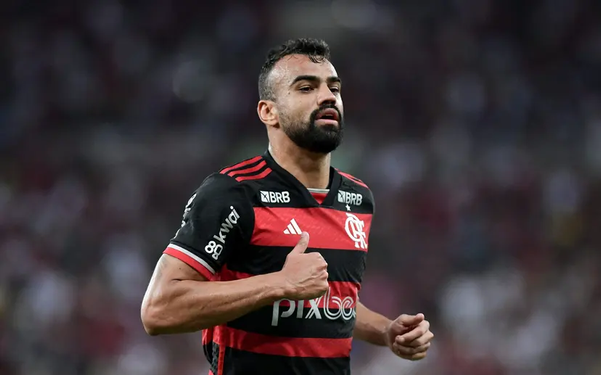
{"x":305,"y":274}
{"x":409,"y":336}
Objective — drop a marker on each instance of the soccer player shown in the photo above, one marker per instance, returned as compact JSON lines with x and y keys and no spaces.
{"x":271,"y":251}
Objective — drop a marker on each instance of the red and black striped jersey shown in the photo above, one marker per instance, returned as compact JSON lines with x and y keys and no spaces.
{"x":243,"y":221}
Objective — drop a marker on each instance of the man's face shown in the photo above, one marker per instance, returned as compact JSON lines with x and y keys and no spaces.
{"x":309,"y":103}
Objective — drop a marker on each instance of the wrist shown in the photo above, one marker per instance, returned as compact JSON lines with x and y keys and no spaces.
{"x":386,"y":339}
{"x":278,"y":288}
{"x":372,"y":327}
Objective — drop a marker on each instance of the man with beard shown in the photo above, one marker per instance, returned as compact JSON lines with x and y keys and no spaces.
{"x":271,"y":251}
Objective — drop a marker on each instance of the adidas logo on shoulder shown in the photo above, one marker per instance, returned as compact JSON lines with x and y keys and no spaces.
{"x":293,"y":228}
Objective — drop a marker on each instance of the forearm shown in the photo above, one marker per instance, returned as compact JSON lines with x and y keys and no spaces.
{"x":370,"y":326}
{"x":188,"y":305}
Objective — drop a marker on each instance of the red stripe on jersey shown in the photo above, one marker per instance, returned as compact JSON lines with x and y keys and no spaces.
{"x":283,"y":346}
{"x":319,"y":197}
{"x":221,"y":360}
{"x":211,"y":372}
{"x":225,"y":274}
{"x":327,"y":228}
{"x":248,"y":170}
{"x":207,"y":336}
{"x":254,"y":177}
{"x":189,"y":261}
{"x":342,"y":294}
{"x":241,"y":164}
{"x":354,"y":179}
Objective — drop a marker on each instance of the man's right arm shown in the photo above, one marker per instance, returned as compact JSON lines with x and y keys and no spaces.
{"x":179,"y":299}
{"x":218,"y":222}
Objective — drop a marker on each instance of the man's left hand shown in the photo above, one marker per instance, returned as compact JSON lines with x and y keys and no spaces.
{"x":409,"y":336}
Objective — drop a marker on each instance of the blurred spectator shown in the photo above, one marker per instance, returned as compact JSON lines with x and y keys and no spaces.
{"x":484,"y":117}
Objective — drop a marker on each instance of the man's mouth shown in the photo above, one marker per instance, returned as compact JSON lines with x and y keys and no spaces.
{"x":328,"y":115}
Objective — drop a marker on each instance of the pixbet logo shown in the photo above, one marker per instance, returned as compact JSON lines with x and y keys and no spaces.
{"x":344,"y":309}
{"x":214,"y":248}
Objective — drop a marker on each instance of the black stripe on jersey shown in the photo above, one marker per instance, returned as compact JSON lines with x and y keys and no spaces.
{"x":343,"y":265}
{"x":259,"y":321}
{"x":238,"y":362}
{"x":211,"y":352}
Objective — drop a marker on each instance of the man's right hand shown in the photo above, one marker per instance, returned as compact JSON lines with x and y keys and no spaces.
{"x":305,"y":274}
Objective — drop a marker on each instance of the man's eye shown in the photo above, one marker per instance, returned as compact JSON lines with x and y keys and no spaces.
{"x":335,"y":89}
{"x":305,"y":88}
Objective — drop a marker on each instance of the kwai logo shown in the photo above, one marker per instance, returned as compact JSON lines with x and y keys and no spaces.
{"x":214,"y":248}
{"x":344,"y":308}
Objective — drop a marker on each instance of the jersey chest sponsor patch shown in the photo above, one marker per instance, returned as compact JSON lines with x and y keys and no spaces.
{"x":327,"y":228}
{"x":275,"y":196}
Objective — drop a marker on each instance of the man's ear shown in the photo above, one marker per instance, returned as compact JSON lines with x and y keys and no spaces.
{"x":268,"y":113}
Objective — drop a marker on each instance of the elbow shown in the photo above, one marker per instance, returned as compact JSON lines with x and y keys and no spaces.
{"x":152,"y":320}
{"x":151,"y":328}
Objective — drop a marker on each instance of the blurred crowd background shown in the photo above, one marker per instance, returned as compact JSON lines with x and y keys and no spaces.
{"x":477,"y":124}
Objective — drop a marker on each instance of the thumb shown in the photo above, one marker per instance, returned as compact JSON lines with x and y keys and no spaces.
{"x":302,"y":244}
{"x":411,"y":320}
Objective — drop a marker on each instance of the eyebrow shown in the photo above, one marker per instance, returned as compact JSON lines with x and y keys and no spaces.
{"x":310,"y":78}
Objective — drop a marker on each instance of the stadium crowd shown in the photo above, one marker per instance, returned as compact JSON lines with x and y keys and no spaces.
{"x":477,"y":124}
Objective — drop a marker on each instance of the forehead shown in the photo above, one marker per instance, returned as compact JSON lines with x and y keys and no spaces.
{"x":292,"y":66}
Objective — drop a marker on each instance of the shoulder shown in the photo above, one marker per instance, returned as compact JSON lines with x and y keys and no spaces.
{"x":356,"y":186}
{"x":251,"y":169}
{"x":235,"y":177}
{"x":351,"y":180}
{"x":230,"y":182}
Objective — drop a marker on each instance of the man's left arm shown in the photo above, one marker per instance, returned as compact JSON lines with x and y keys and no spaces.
{"x":408,"y":336}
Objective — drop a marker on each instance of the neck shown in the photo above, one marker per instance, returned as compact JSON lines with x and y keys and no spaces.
{"x":311,"y":169}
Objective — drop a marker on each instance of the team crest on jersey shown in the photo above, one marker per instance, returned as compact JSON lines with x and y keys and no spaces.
{"x":354,"y":228}
{"x":188,"y":208}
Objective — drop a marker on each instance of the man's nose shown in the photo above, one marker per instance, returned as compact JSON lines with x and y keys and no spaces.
{"x":326,"y":95}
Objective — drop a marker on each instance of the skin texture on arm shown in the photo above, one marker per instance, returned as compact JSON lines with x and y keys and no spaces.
{"x":180,"y":300}
{"x":370,"y":326}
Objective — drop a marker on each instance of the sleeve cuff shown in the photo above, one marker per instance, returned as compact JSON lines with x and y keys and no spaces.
{"x":190,"y":259}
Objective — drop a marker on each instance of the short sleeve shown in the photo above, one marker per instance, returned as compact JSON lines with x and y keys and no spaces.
{"x":373,"y":202}
{"x":218,"y":220}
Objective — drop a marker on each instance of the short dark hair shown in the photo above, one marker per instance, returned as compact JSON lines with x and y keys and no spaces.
{"x":316,"y":49}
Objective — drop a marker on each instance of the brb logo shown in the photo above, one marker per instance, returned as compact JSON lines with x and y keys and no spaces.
{"x":345,"y":197}
{"x":345,"y":309}
{"x":275,"y":196}
{"x":354,"y":228}
{"x":214,"y":248}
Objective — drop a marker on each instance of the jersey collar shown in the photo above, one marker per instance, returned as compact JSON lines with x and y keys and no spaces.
{"x":335,"y":181}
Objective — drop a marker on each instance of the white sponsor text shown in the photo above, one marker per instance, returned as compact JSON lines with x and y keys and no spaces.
{"x":214,"y":248}
{"x":343,"y":308}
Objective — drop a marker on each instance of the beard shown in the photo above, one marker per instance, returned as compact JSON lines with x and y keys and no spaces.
{"x":311,"y":137}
